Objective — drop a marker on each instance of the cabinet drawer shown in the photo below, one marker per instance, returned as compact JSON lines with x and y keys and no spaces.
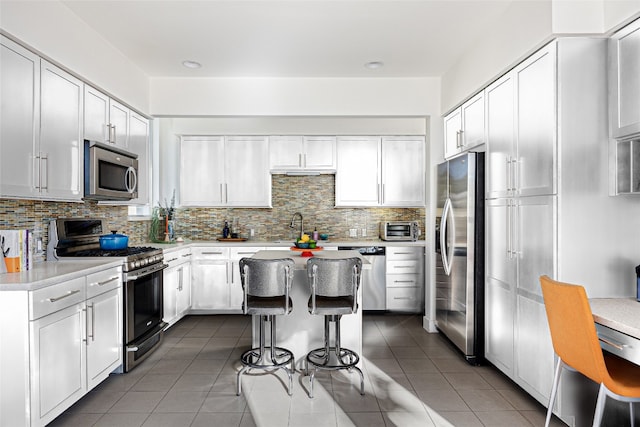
{"x":176,"y":258}
{"x":210,"y":253}
{"x":103,"y":281}
{"x":404,"y":253}
{"x":244,"y":252}
{"x":403,"y":267}
{"x":404,"y":299}
{"x":619,"y":344}
{"x":404,"y":280}
{"x":56,"y":297}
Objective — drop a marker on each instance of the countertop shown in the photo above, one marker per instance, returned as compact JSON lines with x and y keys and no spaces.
{"x":47,"y":273}
{"x":169,"y":247}
{"x":621,"y":314}
{"x":300,"y":262}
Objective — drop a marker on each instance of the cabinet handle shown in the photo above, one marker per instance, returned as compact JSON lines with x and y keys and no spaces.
{"x":105,"y":281}
{"x":613,"y":344}
{"x":226,"y":193}
{"x":403,"y":266}
{"x":68,"y":294}
{"x":221,"y":194}
{"x":382,"y":194}
{"x":246,"y":253}
{"x":305,"y":160}
{"x":180,"y":271}
{"x":211,"y":253}
{"x":93,"y":322}
{"x":172,"y":259}
{"x":44,"y":162}
{"x":113,"y":139}
{"x":404,"y":253}
{"x":404,"y":281}
{"x":300,"y":159}
{"x":405,"y":298}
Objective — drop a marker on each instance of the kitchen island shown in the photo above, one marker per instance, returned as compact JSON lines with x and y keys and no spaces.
{"x":300,"y":331}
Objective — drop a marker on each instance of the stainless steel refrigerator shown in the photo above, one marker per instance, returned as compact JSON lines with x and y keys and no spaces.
{"x":459,"y":241}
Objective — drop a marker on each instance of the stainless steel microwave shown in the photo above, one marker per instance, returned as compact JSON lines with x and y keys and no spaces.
{"x":110,"y":173}
{"x":399,"y":230}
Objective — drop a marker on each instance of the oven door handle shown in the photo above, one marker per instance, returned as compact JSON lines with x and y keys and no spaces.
{"x":130,"y":278}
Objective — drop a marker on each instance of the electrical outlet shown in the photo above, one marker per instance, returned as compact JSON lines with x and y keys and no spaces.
{"x":353,"y":232}
{"x":252,"y":232}
{"x":364,"y":232}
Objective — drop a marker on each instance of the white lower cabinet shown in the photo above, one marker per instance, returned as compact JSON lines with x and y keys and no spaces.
{"x":58,"y":363}
{"x":65,"y":339}
{"x":236,"y":294}
{"x":215,"y":285}
{"x":405,"y":278}
{"x":210,"y":279}
{"x":177,"y":286}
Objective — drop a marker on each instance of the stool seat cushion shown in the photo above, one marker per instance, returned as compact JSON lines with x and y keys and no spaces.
{"x":332,"y":305}
{"x":267,"y":305}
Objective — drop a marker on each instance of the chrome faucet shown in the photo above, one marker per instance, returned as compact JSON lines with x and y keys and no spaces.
{"x":301,"y":222}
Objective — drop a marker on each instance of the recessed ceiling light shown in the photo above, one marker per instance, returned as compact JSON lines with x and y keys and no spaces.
{"x":191,"y":64}
{"x":374,"y":65}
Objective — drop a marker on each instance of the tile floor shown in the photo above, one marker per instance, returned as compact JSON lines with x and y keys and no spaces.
{"x":411,"y":378}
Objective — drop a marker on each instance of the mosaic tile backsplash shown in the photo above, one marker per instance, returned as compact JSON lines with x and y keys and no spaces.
{"x":312,"y":196}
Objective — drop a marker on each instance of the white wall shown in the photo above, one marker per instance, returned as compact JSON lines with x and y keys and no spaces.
{"x":50,"y":28}
{"x":293,"y":96}
{"x":620,"y":12}
{"x":525,"y":26}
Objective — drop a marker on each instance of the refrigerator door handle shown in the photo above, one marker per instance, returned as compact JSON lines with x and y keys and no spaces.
{"x":447,"y":216}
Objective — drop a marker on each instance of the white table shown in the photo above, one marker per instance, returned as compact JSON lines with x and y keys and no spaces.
{"x":618,"y":325}
{"x":300,"y":331}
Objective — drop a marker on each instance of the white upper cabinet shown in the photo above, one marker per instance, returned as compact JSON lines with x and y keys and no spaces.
{"x":248,"y":182}
{"x":41,"y":128}
{"x":403,"y":165}
{"x":624,"y":81}
{"x":225,"y":171}
{"x":96,"y":115}
{"x":500,"y":98}
{"x":302,"y":153}
{"x":465,"y":127}
{"x":374,"y":171}
{"x":139,"y":144}
{"x":534,"y":164}
{"x":105,"y":120}
{"x":61,"y":145}
{"x":20,"y":120}
{"x":357,"y":179}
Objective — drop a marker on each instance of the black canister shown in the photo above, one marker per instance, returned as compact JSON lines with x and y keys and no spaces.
{"x":638,"y":283}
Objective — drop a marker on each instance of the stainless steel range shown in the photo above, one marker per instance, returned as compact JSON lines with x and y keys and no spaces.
{"x":142,"y":281}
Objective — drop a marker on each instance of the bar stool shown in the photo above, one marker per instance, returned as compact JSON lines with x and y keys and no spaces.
{"x":334,"y":289}
{"x":266,"y":285}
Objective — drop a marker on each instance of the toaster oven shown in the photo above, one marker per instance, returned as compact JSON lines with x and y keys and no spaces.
{"x":399,"y":230}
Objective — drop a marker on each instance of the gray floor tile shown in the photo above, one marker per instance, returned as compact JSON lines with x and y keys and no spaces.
{"x":223,"y":419}
{"x":181,"y":401}
{"x":121,"y":420}
{"x":138,"y":401}
{"x":170,"y":419}
{"x":411,"y":378}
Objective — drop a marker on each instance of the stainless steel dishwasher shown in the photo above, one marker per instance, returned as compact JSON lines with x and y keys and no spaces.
{"x":374,"y":285}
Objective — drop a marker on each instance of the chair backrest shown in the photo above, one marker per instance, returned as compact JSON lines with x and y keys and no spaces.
{"x":573,"y":330}
{"x":266,"y":277}
{"x":334,"y":277}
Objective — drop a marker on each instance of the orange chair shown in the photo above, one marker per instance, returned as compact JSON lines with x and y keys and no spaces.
{"x":576,"y":343}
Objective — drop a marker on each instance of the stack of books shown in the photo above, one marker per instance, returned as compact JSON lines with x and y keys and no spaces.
{"x":17,"y":250}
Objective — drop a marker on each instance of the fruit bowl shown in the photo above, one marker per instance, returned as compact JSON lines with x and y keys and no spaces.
{"x":302,"y":245}
{"x":324,"y":236}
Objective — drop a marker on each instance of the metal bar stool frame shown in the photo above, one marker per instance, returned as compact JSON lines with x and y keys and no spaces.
{"x":278,"y":357}
{"x":333,"y":357}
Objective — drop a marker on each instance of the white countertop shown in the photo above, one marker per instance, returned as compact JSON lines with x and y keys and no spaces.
{"x":621,"y":314}
{"x":301,"y":262}
{"x":170,"y":247}
{"x":47,"y":273}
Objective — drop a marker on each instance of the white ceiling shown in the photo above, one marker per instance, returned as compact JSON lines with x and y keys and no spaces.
{"x":294,"y":38}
